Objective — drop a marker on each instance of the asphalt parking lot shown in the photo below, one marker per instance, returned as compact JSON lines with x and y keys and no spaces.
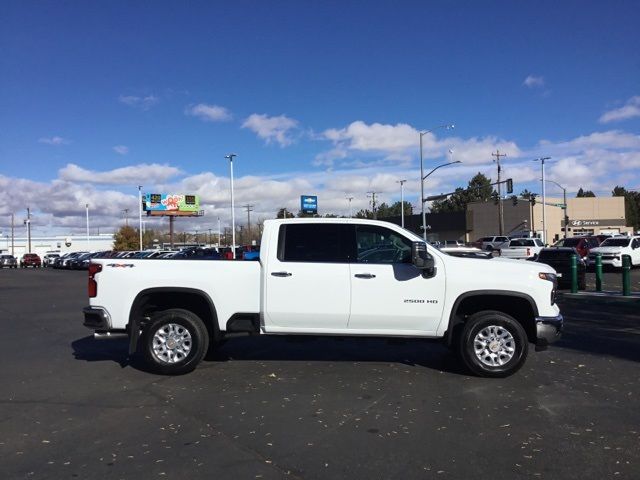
{"x":75,"y":407}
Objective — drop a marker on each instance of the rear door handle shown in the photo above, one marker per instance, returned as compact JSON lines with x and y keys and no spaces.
{"x":364,"y":275}
{"x":281,"y":274}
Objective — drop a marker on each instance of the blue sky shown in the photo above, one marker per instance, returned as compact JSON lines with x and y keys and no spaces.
{"x":321,"y":98}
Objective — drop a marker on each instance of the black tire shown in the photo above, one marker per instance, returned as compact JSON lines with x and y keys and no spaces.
{"x":489,"y":248}
{"x":505,"y":325}
{"x":185,"y":324}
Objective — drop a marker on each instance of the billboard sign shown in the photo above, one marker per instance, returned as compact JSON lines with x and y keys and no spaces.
{"x":162,"y":202}
{"x":309,"y":204}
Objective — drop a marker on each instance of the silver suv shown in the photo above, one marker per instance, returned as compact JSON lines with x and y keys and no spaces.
{"x":491,"y":243}
{"x":8,"y":261}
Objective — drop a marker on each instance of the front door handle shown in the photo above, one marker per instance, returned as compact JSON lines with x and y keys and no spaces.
{"x":281,"y":274}
{"x":364,"y":275}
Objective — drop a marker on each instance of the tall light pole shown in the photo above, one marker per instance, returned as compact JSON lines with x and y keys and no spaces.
{"x":350,"y":211}
{"x":564,"y":201}
{"x":140,"y":213}
{"x":233,"y":213}
{"x":401,"y":182}
{"x":86,"y":206}
{"x":422,"y":177}
{"x":423,"y":200}
{"x":219,"y":233}
{"x":544,"y":200}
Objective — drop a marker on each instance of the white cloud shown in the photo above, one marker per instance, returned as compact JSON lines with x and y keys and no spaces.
{"x":208,"y":113}
{"x":132,"y":175}
{"x":272,"y":129}
{"x":55,"y":140}
{"x":144,"y":103}
{"x":533,"y":81}
{"x":121,"y":149}
{"x":631,"y":109}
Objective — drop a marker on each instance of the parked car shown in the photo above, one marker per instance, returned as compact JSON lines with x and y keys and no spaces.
{"x":454,"y":243}
{"x":522,"y":248}
{"x":559,"y":258}
{"x":8,"y":261}
{"x":76,"y":262}
{"x":582,"y":244}
{"x":30,"y":260}
{"x":49,"y":258}
{"x":66,"y":262}
{"x":613,"y":248}
{"x":197,"y":253}
{"x":57,"y":262}
{"x":490,"y":243}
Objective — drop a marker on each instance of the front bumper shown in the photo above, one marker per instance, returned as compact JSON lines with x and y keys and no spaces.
{"x":548,"y":330}
{"x":96,"y":318}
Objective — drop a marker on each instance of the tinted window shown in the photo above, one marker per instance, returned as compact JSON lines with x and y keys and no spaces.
{"x":554,"y":254}
{"x":381,"y":245}
{"x":501,"y":239}
{"x":312,"y":242}
{"x":615,"y":242}
{"x":539,"y":242}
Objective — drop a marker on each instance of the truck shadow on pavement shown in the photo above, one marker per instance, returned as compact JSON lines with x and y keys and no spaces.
{"x":410,"y":352}
{"x":601,"y":329}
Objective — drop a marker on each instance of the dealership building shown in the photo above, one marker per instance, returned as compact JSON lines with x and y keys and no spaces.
{"x":60,"y":244}
{"x":586,"y":216}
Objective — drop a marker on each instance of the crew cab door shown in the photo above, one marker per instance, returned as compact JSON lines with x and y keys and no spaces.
{"x":387,"y":291}
{"x":307,"y":278}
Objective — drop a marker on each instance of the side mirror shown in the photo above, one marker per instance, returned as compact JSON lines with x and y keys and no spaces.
{"x":421,"y":259}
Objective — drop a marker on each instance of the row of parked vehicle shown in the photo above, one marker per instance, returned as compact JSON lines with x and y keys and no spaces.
{"x":81,"y":260}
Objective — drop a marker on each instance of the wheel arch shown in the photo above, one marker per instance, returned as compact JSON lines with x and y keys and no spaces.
{"x":521,"y":306}
{"x":156,"y":299}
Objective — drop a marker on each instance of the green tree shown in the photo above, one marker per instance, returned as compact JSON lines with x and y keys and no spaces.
{"x":394,"y":210}
{"x":364,"y":213}
{"x":479,"y":189}
{"x":584,"y":193}
{"x":126,"y":238}
{"x":526,"y":194}
{"x":281,"y":213}
{"x":631,"y":205}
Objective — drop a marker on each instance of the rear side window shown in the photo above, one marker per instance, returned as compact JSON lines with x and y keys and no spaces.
{"x":313,"y":242}
{"x":539,"y":242}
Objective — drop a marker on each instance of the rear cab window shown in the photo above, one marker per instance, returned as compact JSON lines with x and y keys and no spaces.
{"x":313,"y":243}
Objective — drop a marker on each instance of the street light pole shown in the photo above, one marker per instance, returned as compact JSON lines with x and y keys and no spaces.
{"x":219,"y":233}
{"x":350,"y":211}
{"x":233,"y":214}
{"x":564,"y":201}
{"x":422,"y":177}
{"x":544,"y":218}
{"x":401,"y":182}
{"x":140,"y":213}
{"x":87,"y":208}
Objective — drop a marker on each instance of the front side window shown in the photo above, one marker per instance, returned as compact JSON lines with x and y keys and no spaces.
{"x":313,"y":242}
{"x":381,"y":245}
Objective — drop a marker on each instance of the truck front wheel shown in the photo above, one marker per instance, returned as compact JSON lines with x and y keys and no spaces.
{"x":175,"y":342}
{"x":493,"y":344}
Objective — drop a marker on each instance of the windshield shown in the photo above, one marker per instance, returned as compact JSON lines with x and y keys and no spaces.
{"x":568,"y":242}
{"x":616,"y":242}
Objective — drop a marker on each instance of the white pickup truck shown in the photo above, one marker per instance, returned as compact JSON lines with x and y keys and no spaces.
{"x":328,"y":277}
{"x":522,"y":248}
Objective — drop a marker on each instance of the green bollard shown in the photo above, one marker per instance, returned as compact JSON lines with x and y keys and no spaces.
{"x":574,"y":273}
{"x":598,"y":272}
{"x":626,"y":275}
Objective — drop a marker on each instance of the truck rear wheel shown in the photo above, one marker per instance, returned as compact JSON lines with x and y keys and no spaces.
{"x":493,"y":344}
{"x":175,"y":342}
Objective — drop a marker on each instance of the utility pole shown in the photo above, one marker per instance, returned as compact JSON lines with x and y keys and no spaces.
{"x":249,"y":210}
{"x":233,"y":206}
{"x":125,"y":212}
{"x":350,"y":211}
{"x":500,"y":216}
{"x":209,"y":237}
{"x":140,"y":213}
{"x":373,"y":204}
{"x":219,"y":233}
{"x":401,"y":182}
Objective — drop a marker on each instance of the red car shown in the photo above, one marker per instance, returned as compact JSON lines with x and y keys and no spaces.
{"x":30,"y":260}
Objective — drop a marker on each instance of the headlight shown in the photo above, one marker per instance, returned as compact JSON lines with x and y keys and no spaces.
{"x":553,"y":278}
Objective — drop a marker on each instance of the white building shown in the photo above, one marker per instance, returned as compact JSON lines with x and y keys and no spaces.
{"x":59,"y":243}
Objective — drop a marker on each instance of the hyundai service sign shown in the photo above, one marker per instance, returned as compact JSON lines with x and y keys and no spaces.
{"x":309,"y":204}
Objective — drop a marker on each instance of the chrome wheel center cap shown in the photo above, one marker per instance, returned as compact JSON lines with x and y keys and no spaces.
{"x":494,"y":346}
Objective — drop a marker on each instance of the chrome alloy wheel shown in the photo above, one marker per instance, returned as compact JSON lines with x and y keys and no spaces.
{"x":172,"y":343}
{"x":494,"y":346}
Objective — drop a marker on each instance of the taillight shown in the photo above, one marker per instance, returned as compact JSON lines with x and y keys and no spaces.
{"x":93,"y":285}
{"x":528,"y":252}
